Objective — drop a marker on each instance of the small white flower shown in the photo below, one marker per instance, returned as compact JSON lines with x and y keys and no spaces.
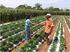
{"x":1,"y":37}
{"x":34,"y":50}
{"x":42,"y":40}
{"x":14,"y":45}
{"x":37,"y":46}
{"x":40,"y":43}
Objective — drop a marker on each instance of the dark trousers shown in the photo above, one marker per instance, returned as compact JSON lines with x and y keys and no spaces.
{"x":46,"y":36}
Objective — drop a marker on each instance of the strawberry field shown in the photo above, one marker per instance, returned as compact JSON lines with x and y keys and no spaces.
{"x":12,"y":36}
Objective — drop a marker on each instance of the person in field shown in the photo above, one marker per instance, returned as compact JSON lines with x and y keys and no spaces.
{"x":48,"y":26}
{"x":27,"y":28}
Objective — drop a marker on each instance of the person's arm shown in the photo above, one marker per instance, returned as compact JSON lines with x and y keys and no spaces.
{"x":33,"y":23}
{"x":42,"y":23}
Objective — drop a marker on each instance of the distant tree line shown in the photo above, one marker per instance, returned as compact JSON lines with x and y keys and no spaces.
{"x":9,"y":14}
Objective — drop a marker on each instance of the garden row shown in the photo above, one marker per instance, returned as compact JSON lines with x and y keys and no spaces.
{"x":58,"y":43}
{"x":11,"y":40}
{"x":13,"y":28}
{"x":34,"y":43}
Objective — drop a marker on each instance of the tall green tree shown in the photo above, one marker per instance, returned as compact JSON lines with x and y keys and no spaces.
{"x":2,"y":6}
{"x":38,"y":6}
{"x":67,"y":10}
{"x":22,"y":6}
{"x":51,"y":8}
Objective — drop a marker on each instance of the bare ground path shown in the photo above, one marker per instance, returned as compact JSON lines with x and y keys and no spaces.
{"x":67,"y":37}
{"x":43,"y":47}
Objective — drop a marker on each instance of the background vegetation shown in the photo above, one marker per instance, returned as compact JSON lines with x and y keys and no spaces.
{"x":10,"y":14}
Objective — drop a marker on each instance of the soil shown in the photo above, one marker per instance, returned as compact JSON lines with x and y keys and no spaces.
{"x":67,"y":38}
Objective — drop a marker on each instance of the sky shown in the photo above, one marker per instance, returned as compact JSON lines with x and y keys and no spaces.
{"x":45,"y":3}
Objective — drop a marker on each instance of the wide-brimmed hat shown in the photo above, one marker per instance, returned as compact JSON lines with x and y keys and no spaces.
{"x":48,"y":14}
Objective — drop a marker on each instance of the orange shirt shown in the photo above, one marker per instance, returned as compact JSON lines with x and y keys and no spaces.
{"x":47,"y":26}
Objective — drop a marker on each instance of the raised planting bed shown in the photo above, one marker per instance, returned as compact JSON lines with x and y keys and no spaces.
{"x":34,"y":43}
{"x":13,"y":28}
{"x":12,"y":34}
{"x":15,"y":39}
{"x":58,"y":40}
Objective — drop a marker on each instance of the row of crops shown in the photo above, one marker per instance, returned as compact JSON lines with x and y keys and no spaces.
{"x":58,"y":43}
{"x":14,"y":28}
{"x":34,"y":43}
{"x":10,"y":34}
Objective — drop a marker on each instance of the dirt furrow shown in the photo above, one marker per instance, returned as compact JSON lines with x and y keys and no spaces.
{"x":67,"y":38}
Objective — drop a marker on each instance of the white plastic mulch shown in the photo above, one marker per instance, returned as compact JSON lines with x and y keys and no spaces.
{"x":58,"y":44}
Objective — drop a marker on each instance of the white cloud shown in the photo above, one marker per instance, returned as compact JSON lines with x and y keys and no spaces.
{"x":45,"y":3}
